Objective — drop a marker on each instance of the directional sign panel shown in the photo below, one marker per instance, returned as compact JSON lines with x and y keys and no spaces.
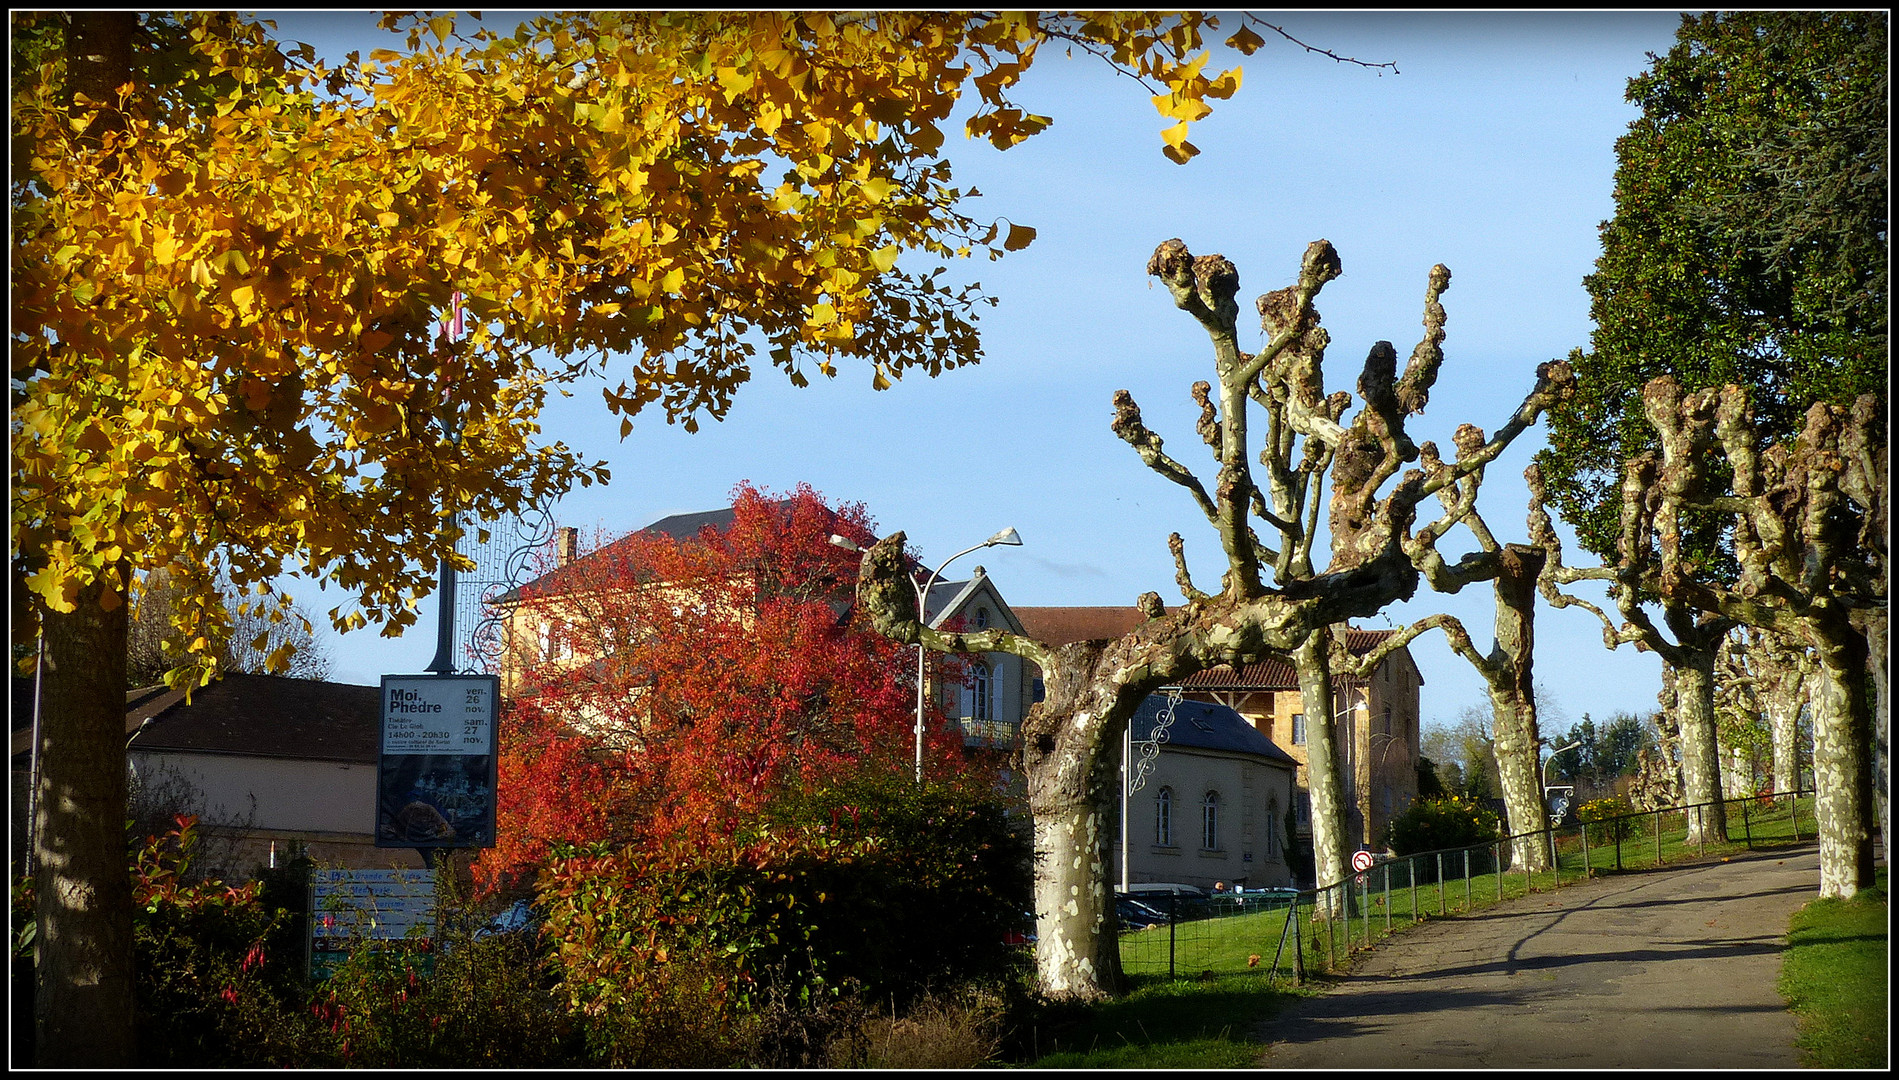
{"x":435,"y":780}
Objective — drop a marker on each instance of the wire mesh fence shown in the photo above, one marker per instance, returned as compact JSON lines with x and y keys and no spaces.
{"x":1282,"y":934}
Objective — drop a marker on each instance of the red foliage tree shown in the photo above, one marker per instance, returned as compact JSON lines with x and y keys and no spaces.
{"x":683,"y":684}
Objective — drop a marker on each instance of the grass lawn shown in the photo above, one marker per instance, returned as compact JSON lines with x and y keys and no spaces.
{"x":1834,"y":977}
{"x":1173,"y":1024}
{"x":1834,"y":974}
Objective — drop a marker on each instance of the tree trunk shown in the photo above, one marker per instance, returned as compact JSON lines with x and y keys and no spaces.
{"x":1330,"y":857}
{"x":83,"y":993}
{"x":1069,"y":753}
{"x":1513,"y":703}
{"x":1783,"y":723}
{"x":1875,"y":629}
{"x":1841,"y":768}
{"x":1514,"y":728}
{"x":83,"y":977}
{"x":1700,"y":757}
{"x":1080,"y":954}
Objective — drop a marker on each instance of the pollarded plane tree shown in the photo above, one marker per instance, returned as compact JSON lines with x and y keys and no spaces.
{"x":1688,"y":692}
{"x":1760,"y":686}
{"x":1507,"y":670}
{"x":1781,"y":670}
{"x":1809,"y":527}
{"x":1092,"y":687}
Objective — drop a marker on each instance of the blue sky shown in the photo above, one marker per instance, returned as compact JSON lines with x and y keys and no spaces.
{"x":1492,"y":151}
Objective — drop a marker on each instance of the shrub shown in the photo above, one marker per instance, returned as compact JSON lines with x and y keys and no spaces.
{"x":1611,"y":811}
{"x":932,"y":881}
{"x":1437,"y":824}
{"x":213,"y":985}
{"x":675,"y":953}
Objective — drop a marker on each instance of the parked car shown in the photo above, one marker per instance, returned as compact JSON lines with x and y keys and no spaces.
{"x":1137,"y":915}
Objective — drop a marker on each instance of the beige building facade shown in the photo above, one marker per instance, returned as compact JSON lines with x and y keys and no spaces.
{"x":1209,"y":806}
{"x":1377,"y":716}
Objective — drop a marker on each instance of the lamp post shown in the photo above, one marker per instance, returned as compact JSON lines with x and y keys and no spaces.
{"x":1007,"y":538}
{"x":1553,"y":817}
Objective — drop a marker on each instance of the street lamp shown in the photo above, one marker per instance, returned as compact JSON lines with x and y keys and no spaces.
{"x":1006,"y":538}
{"x":1553,"y":816}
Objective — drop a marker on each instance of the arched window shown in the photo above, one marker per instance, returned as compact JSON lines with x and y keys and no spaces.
{"x":1164,"y":817}
{"x":982,"y":618}
{"x":981,"y":693}
{"x":1210,"y":822}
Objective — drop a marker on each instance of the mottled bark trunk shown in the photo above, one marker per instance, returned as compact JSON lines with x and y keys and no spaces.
{"x":1513,"y":702}
{"x":1700,"y":756}
{"x":1514,"y":730}
{"x":1875,"y":628}
{"x":1783,"y":725}
{"x":1330,"y":847}
{"x":1068,"y":753}
{"x":83,"y":977}
{"x":1842,"y":769}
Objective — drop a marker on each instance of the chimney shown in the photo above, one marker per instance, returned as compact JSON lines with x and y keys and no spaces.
{"x":567,"y":546}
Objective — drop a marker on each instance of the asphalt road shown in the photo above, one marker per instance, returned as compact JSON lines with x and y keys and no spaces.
{"x":1672,"y":968}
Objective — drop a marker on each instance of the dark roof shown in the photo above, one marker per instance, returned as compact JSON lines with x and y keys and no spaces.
{"x":1204,"y":726}
{"x":680,"y":527}
{"x":687,"y":526}
{"x":140,"y":703}
{"x":265,"y":716}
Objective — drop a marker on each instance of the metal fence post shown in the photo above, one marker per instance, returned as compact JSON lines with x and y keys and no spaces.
{"x":1441,"y":889}
{"x":1173,"y":920}
{"x":1298,"y":944}
{"x":1747,"y":824}
{"x":1466,"y":881}
{"x":1658,"y":839}
{"x":1496,"y":859}
{"x":1585,"y":850}
{"x":1411,"y":870}
{"x":1387,"y":899}
{"x":1793,"y":812}
{"x":1364,"y":903}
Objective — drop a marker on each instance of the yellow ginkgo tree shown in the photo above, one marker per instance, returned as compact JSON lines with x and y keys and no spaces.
{"x":230,"y":259}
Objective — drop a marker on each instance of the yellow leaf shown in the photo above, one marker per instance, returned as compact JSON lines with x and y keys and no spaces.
{"x":884,"y":258}
{"x":1180,"y":154}
{"x":1175,"y":135}
{"x":1245,"y":41}
{"x":674,"y":280}
{"x":879,"y":381}
{"x":388,"y":219}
